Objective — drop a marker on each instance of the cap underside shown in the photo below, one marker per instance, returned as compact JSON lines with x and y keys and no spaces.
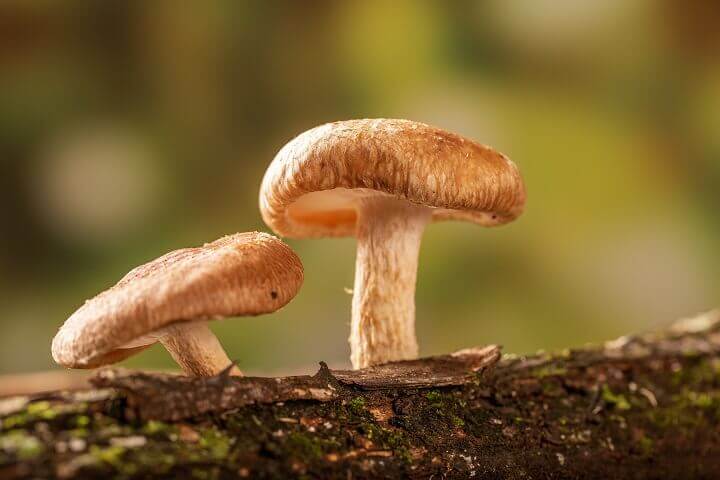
{"x":336,"y":209}
{"x":130,"y":348}
{"x":112,"y":356}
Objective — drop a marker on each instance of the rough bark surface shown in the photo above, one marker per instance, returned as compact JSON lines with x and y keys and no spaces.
{"x":645,"y":406}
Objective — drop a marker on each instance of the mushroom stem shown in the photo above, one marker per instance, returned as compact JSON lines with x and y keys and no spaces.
{"x":382,"y":329}
{"x":196,"y":349}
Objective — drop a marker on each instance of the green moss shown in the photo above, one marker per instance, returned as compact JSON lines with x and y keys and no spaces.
{"x":707,"y":402}
{"x":617,"y":400}
{"x":646,"y":445}
{"x":32,"y":413}
{"x":457,"y":421}
{"x":37,"y":408}
{"x":356,"y":406}
{"x":548,"y":371}
{"x":150,"y":459}
{"x":15,"y":421}
{"x":705,"y":371}
{"x":40,"y":408}
{"x":78,"y":433}
{"x":689,"y":410}
{"x":153,"y":427}
{"x":213,"y":446}
{"x":82,"y":421}
{"x":204,"y":473}
{"x":387,"y":439}
{"x":662,"y":418}
{"x":112,"y":455}
{"x":40,"y":411}
{"x":700,"y":400}
{"x":113,"y":430}
{"x":153,"y":460}
{"x":21,"y":444}
{"x":446,"y":410}
{"x":435,"y":398}
{"x":304,"y":446}
{"x":215,"y":443}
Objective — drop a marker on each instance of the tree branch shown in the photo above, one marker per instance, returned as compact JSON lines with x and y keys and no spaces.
{"x":645,"y":406}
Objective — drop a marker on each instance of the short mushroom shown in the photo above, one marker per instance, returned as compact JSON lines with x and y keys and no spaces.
{"x":171,"y":299}
{"x":383,"y":181}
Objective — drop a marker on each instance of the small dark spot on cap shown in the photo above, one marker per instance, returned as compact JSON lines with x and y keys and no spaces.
{"x":273,"y":294}
{"x":494,"y":217}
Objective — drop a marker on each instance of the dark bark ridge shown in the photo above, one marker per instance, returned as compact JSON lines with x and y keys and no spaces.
{"x":645,"y":406}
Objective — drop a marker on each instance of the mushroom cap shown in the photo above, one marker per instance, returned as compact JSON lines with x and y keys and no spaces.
{"x":240,"y":274}
{"x":312,"y":186}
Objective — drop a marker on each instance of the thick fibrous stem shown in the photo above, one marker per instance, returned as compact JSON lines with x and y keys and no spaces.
{"x":196,"y":349}
{"x":389,"y":231}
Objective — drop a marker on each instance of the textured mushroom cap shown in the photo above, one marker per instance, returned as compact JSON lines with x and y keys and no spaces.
{"x":241,"y":274}
{"x":312,"y":186}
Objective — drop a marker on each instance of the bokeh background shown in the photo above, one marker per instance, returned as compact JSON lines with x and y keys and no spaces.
{"x":131,"y":128}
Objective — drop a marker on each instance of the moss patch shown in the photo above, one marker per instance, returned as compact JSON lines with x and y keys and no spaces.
{"x":21,"y":445}
{"x":618,"y":401}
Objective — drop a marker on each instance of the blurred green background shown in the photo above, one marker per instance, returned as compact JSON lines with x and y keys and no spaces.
{"x":128,"y":129}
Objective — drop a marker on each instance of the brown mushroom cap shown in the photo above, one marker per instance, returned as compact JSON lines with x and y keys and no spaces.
{"x":240,"y":274}
{"x":311,"y":187}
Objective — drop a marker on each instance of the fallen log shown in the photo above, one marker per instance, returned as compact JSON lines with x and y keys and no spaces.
{"x":643,"y":406}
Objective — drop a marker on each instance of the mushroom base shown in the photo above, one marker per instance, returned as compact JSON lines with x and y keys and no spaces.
{"x":196,"y":349}
{"x":389,"y":231}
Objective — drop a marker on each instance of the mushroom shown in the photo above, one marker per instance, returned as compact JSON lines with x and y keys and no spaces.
{"x":383,"y":181}
{"x":171,"y":299}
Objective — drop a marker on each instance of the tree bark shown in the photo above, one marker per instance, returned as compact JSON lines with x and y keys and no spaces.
{"x":645,"y":406}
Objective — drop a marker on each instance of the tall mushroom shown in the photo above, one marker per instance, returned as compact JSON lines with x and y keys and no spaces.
{"x":383,"y":181}
{"x":171,"y":299}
